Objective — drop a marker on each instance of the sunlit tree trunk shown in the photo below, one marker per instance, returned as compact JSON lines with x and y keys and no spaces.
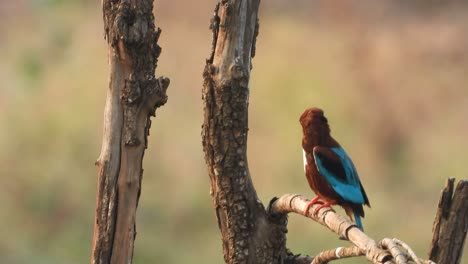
{"x":248,"y":234}
{"x":132,"y":97}
{"x":251,"y":234}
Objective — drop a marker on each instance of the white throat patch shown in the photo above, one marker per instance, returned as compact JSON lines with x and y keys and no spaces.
{"x":304,"y":158}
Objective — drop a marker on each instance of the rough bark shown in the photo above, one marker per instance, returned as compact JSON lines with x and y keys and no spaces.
{"x":132,"y":97}
{"x":387,"y":251}
{"x":248,"y":234}
{"x":289,"y":203}
{"x":450,"y":224}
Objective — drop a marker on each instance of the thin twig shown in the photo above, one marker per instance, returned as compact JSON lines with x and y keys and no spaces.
{"x":398,"y":255}
{"x":408,"y":249}
{"x":411,"y":253}
{"x":337,"y":253}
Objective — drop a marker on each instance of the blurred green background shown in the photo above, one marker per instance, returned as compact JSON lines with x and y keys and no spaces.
{"x":392,"y":78}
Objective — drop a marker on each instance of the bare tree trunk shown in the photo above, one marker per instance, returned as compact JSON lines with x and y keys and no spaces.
{"x":133,"y":96}
{"x":450,"y":224}
{"x":248,"y":234}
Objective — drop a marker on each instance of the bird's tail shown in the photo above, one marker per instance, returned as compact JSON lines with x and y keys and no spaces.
{"x":354,"y":212}
{"x":357,"y":218}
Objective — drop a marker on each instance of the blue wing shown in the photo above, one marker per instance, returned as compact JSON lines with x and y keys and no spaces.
{"x":339,"y":171}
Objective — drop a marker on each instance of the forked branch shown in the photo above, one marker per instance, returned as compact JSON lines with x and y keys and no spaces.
{"x":387,"y":251}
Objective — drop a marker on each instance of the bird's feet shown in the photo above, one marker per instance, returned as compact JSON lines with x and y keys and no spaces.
{"x":314,"y":201}
{"x":327,"y":204}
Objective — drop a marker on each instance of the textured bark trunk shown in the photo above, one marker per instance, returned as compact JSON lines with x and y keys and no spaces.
{"x":450,"y":224}
{"x":133,"y":96}
{"x":248,"y":234}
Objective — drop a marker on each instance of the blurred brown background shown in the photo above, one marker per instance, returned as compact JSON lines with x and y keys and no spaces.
{"x":391,"y":76}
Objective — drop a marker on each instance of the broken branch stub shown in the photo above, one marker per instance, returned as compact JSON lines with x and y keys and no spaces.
{"x":450,"y":224}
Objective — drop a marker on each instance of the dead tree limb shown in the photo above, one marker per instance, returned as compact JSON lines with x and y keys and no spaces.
{"x":290,"y":203}
{"x":386,"y":251}
{"x":133,"y":96}
{"x":450,"y":224}
{"x":248,"y":234}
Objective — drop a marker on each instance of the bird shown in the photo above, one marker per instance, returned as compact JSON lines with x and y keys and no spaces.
{"x":329,"y":170}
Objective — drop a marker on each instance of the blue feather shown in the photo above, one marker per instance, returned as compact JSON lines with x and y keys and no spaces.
{"x":350,"y":189}
{"x":357,"y":219}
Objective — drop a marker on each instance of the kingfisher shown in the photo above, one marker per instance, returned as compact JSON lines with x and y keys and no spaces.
{"x":328,"y":168}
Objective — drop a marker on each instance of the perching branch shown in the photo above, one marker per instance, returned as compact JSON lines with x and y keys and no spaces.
{"x":386,"y":251}
{"x":296,"y":203}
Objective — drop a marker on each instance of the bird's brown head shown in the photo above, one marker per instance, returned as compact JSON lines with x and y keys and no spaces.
{"x":314,"y":126}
